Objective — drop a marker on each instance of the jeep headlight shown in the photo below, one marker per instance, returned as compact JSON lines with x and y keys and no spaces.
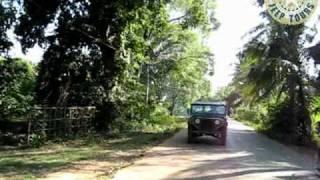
{"x":197,"y":121}
{"x":217,"y":122}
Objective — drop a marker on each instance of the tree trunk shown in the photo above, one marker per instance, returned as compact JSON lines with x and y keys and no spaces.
{"x":173,"y":105}
{"x":304,"y":114}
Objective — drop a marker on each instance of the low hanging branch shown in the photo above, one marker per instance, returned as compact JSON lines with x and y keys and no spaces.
{"x":98,"y":40}
{"x":178,"y":18}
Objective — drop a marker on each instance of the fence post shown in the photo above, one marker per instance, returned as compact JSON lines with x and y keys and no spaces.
{"x":29,"y":131}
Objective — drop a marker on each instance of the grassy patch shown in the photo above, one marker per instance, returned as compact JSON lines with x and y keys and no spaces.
{"x":277,"y":135}
{"x":115,"y":152}
{"x":258,"y":127}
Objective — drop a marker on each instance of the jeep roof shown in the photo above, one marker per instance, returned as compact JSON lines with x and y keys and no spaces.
{"x":209,"y":103}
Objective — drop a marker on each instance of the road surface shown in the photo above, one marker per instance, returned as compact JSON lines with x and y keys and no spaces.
{"x":247,"y":155}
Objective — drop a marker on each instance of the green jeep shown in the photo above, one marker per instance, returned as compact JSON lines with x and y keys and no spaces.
{"x":208,"y":118}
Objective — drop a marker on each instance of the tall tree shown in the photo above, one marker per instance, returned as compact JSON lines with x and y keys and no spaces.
{"x":165,"y":62}
{"x":273,"y":64}
{"x":86,"y":44}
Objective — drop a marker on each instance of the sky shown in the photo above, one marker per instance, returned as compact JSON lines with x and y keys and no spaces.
{"x":237,"y":17}
{"x":34,"y":55}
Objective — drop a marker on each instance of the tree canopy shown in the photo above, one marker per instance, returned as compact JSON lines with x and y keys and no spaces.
{"x":273,"y":71}
{"x":17,"y":78}
{"x":7,"y":18}
{"x":125,"y":57}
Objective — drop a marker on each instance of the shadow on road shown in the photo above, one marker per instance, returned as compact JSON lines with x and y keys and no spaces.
{"x":246,"y":154}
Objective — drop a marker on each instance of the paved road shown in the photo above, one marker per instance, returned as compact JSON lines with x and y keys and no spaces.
{"x":247,"y":155}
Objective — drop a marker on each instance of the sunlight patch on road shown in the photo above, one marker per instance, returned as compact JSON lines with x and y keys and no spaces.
{"x":282,"y":164}
{"x":222,"y":156}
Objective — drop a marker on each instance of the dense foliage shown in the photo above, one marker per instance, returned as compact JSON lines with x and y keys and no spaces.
{"x":139,"y":62}
{"x":17,"y":78}
{"x":274,"y":80}
{"x":7,"y":18}
{"x":135,"y":61}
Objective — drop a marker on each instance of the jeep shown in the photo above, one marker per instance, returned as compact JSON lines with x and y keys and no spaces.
{"x":208,"y":118}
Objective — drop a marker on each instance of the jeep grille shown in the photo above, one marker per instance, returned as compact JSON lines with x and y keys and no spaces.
{"x":207,"y":125}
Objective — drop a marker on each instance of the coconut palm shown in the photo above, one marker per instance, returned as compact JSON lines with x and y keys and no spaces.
{"x":272,"y":64}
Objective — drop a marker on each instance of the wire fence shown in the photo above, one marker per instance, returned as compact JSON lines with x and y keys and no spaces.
{"x":54,"y":122}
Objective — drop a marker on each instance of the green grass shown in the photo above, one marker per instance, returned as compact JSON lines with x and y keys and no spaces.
{"x":118,"y":151}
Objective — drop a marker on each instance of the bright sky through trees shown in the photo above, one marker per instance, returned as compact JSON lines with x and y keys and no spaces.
{"x":236,"y":18}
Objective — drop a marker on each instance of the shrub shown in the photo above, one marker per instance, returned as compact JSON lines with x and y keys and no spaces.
{"x":17,"y":81}
{"x":159,"y":120}
{"x":161,"y":116}
{"x":280,"y":117}
{"x":36,"y":140}
{"x":252,"y":115}
{"x":315,"y":117}
{"x":276,"y":119}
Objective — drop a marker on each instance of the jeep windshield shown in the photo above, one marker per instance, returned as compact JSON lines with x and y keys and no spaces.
{"x":208,"y":109}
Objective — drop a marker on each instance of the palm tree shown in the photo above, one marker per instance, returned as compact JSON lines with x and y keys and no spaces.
{"x":272,"y":63}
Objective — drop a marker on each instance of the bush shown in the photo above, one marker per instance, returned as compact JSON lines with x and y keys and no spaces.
{"x":159,"y":120}
{"x":275,"y":119}
{"x":255,"y":116}
{"x":315,"y":117}
{"x":266,"y":116}
{"x":36,"y":140}
{"x":161,"y":116}
{"x":280,"y":118}
{"x":17,"y":82}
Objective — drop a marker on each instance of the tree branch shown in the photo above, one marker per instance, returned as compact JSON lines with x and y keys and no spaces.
{"x":178,"y":18}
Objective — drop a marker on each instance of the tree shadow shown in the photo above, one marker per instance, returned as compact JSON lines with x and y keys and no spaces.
{"x":41,"y":162}
{"x":249,"y":153}
{"x":11,"y":168}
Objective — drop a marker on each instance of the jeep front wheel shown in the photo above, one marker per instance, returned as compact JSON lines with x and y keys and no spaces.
{"x":223,"y":138}
{"x":190,"y":135}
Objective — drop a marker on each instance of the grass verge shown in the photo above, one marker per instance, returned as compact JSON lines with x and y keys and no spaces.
{"x":281,"y":137}
{"x":96,"y":156}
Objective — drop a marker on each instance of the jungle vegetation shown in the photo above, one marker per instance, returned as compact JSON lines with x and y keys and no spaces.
{"x":138,"y":62}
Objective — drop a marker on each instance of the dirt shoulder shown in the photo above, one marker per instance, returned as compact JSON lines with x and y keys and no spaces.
{"x":95,"y":157}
